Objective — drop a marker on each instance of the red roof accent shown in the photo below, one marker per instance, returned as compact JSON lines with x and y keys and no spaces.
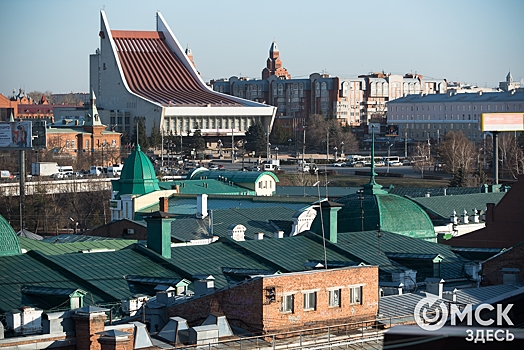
{"x":153,"y":71}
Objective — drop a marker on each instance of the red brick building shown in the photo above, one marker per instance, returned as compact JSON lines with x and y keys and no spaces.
{"x":290,"y":301}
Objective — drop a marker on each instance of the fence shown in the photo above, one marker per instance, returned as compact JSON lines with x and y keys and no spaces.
{"x":311,"y":338}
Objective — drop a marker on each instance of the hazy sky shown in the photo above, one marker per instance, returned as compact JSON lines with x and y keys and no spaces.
{"x":46,"y":44}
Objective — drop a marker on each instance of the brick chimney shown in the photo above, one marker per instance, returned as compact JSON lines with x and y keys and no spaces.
{"x":164,"y":204}
{"x":115,"y":340}
{"x":88,"y":322}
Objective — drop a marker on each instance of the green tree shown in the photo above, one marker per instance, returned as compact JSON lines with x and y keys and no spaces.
{"x":156,"y":136}
{"x":142,"y":136}
{"x":459,"y":178}
{"x":279,"y":135}
{"x":256,"y":139}
{"x":196,"y":141}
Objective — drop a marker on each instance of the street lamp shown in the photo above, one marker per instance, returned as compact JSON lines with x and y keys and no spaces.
{"x":336,"y":155}
{"x":389,"y":143}
{"x":289,"y":143}
{"x":342,"y":149}
{"x":276,"y":152}
{"x":268,"y":151}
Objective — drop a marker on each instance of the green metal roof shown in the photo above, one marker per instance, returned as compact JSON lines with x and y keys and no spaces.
{"x":234,"y":176}
{"x":8,"y":239}
{"x":65,"y":248}
{"x":207,"y":186}
{"x":372,"y":250}
{"x":106,"y":271}
{"x":138,"y":175}
{"x":291,"y":253}
{"x":443,"y":206}
{"x":388,"y":212}
{"x":210,"y":259}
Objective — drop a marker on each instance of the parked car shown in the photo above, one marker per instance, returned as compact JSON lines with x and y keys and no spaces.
{"x":339,"y":164}
{"x":380,"y":163}
{"x":395,"y":163}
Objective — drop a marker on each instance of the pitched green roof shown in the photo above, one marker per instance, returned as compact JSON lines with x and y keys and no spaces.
{"x":49,"y":248}
{"x":291,"y":253}
{"x":443,"y":206}
{"x":138,"y":175}
{"x":8,"y":240}
{"x":207,"y":186}
{"x":234,"y":176}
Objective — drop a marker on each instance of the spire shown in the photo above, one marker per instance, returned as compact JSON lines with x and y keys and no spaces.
{"x":11,"y":118}
{"x":509,"y":77}
{"x":92,"y":117}
{"x":273,"y":47}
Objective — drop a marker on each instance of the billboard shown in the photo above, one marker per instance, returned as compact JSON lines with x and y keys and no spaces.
{"x":16,"y":135}
{"x":392,"y":130}
{"x":502,"y":122}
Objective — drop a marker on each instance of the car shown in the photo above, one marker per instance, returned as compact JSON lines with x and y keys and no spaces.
{"x":395,"y":163}
{"x":380,"y":163}
{"x":58,"y":176}
{"x":339,"y":164}
{"x":213,"y":167}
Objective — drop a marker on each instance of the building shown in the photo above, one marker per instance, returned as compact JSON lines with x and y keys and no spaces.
{"x":509,"y":84}
{"x":147,"y":74}
{"x":424,"y":117}
{"x":351,"y":100}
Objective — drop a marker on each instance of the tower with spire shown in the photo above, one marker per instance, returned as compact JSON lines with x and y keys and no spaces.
{"x":274,"y":64}
{"x":509,"y":84}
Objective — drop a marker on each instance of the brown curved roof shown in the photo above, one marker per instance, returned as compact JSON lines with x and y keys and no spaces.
{"x":153,"y":71}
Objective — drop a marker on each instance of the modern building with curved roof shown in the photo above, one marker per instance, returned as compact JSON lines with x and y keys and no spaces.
{"x":147,"y":74}
{"x":263,"y":183}
{"x":373,"y":208}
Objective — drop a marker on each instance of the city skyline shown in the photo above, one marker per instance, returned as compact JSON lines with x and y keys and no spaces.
{"x":476,"y":42}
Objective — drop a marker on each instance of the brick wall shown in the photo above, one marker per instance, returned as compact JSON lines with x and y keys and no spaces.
{"x":491,"y":269}
{"x":246,"y":305}
{"x":86,"y":327}
{"x":118,"y":229}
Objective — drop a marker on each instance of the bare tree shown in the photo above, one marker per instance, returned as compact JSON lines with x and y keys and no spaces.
{"x":456,"y":151}
{"x":511,"y":156}
{"x":422,"y":158}
{"x":318,"y":129}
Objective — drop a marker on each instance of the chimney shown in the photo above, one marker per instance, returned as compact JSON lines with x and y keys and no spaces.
{"x":490,"y":213}
{"x":159,"y":232}
{"x":259,"y":236}
{"x":279,"y":234}
{"x":89,"y":321}
{"x":164,"y":204}
{"x":203,"y":284}
{"x":114,"y":339}
{"x":475,"y":216}
{"x":453,"y":218}
{"x":465,"y":217}
{"x":328,"y":219}
{"x":201,"y":206}
{"x":435,"y":286}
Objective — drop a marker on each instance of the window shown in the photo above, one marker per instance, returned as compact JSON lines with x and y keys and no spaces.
{"x":310,"y":301}
{"x":287,"y":303}
{"x":334,"y":298}
{"x":355,"y":295}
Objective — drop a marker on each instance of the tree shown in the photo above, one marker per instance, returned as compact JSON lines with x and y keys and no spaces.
{"x":142,"y":136}
{"x":197,"y":141}
{"x":422,"y":157}
{"x":256,"y":139}
{"x":511,"y":156}
{"x":279,"y":135}
{"x":459,"y":178}
{"x":156,"y":136}
{"x":456,"y":151}
{"x":318,"y":129}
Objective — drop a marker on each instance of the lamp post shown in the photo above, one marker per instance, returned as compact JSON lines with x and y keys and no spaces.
{"x":243,"y":153}
{"x":289,"y":143}
{"x":276,"y":153}
{"x":268,"y":151}
{"x":342,"y":149}
{"x":389,"y":143}
{"x":336,"y":154}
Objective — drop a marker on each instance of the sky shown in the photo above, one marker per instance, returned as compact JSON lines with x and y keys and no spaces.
{"x":46,"y":44}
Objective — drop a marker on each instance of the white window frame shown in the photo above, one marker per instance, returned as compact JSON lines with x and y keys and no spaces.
{"x":355,"y":298}
{"x":333,"y":301}
{"x":288,"y":301}
{"x":310,"y":300}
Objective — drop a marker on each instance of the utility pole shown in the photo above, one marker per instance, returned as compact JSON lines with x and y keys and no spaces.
{"x":303,"y":144}
{"x":232,"y":147}
{"x":162,"y":148}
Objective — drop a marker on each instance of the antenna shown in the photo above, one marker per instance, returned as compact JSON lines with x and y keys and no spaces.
{"x":321,"y":222}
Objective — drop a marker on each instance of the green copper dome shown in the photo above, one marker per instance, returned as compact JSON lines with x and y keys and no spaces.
{"x":138,"y":175}
{"x":388,"y":212}
{"x":9,"y":244}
